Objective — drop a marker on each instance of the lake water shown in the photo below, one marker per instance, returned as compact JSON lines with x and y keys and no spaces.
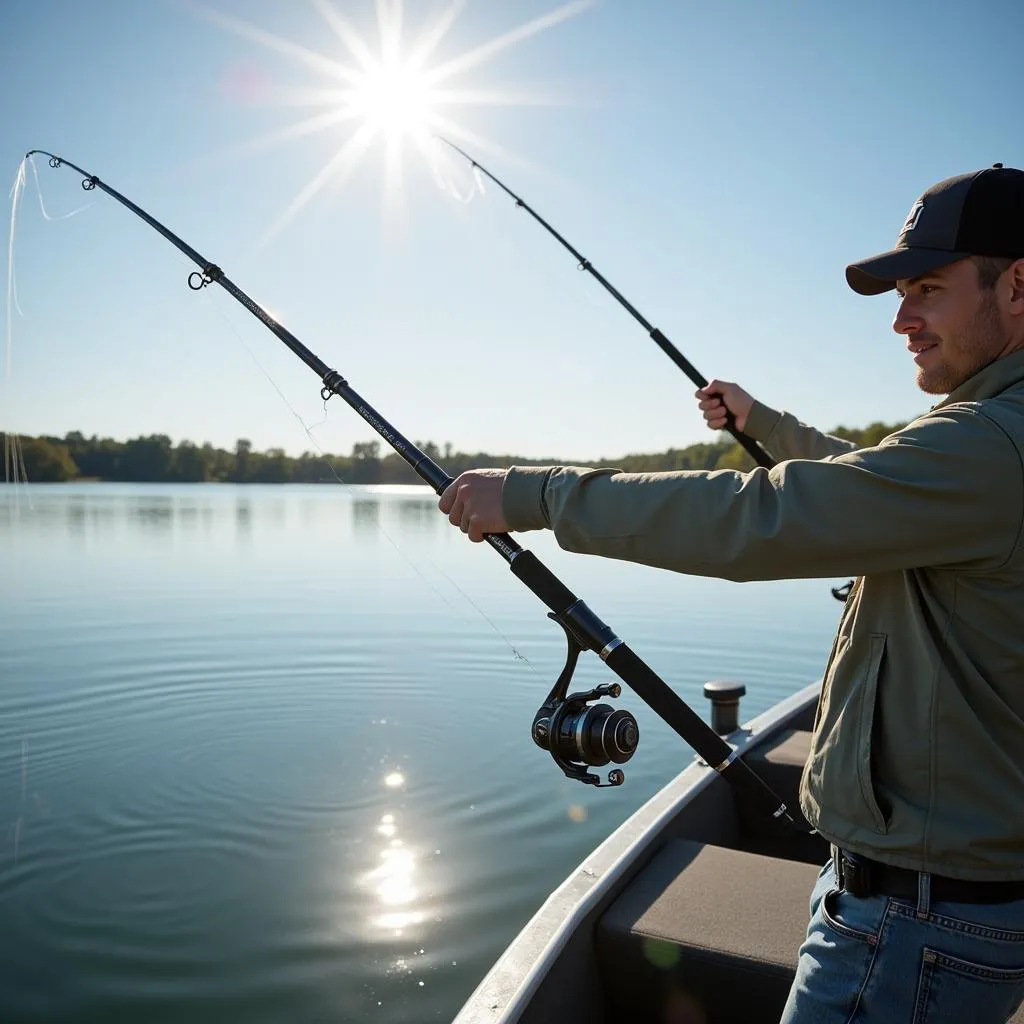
{"x":265,"y":752}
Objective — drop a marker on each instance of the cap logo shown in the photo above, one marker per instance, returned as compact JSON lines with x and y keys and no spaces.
{"x":913,"y":217}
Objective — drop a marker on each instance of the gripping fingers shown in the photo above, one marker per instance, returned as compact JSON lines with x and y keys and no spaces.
{"x":713,"y":408}
{"x":455,"y":516}
{"x":725,"y":404}
{"x":472,"y":529}
{"x":468,"y":522}
{"x":473,"y":503}
{"x":447,"y":500}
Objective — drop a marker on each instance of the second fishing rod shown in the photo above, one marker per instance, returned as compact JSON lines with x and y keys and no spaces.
{"x":753,"y":449}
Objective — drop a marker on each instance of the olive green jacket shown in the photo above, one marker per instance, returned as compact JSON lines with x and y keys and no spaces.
{"x":917,"y":755}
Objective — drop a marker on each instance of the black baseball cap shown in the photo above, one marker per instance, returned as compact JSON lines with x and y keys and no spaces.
{"x":976,"y":214}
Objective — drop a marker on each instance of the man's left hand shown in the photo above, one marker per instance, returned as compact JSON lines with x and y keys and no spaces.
{"x":472,"y":502}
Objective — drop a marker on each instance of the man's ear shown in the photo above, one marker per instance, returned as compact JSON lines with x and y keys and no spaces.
{"x":1015,"y":279}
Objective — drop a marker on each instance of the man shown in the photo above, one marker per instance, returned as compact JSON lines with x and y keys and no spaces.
{"x":916,"y":770}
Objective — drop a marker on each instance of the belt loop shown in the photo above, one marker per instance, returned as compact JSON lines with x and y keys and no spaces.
{"x":924,"y":894}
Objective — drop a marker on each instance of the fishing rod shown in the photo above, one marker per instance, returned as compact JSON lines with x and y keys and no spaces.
{"x":578,"y":734}
{"x":755,"y":450}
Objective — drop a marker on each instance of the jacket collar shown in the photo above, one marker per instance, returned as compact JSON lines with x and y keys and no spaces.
{"x":989,"y":381}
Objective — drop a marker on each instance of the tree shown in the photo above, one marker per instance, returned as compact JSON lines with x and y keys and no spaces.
{"x":146,"y":459}
{"x":274,"y":467}
{"x":243,"y":449}
{"x":46,"y":461}
{"x":365,"y":462}
{"x":95,"y":457}
{"x":189,"y":463}
{"x":219,"y":463}
{"x":735,"y":457}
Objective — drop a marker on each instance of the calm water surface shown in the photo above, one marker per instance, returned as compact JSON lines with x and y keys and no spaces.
{"x":265,"y":754}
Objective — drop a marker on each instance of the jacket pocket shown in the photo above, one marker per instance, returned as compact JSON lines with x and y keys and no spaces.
{"x":866,"y":727}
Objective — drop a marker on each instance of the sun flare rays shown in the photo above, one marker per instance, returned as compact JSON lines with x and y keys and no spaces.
{"x":385,"y":91}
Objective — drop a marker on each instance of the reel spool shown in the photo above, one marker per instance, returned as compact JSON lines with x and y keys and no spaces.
{"x":580,"y":735}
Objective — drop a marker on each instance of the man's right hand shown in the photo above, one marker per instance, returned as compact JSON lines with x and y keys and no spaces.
{"x":721,"y":396}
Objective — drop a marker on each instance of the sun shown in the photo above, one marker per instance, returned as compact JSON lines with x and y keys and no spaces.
{"x":386,"y":92}
{"x":394,"y":100}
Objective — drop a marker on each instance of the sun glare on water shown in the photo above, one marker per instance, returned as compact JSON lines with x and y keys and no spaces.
{"x":389,"y":91}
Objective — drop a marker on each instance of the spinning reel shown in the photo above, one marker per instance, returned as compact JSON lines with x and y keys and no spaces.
{"x":579,"y":735}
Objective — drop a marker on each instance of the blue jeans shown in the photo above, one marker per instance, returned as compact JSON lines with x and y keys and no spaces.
{"x":882,"y":960}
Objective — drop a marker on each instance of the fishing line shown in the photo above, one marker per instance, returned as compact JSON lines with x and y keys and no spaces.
{"x":42,"y":207}
{"x":515,"y":651}
{"x":12,"y":299}
{"x":444,"y":178}
{"x":13,"y":456}
{"x":12,"y":283}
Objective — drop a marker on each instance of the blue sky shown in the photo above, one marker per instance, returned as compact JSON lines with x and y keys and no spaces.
{"x":719,"y":163}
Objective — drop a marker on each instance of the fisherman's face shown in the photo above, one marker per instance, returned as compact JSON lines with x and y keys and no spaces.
{"x":953,"y":326}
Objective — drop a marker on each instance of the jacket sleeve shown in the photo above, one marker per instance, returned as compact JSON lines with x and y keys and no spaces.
{"x":947,"y":490}
{"x":786,"y":437}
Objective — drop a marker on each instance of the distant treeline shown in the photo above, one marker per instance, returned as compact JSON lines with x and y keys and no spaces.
{"x":155,"y":459}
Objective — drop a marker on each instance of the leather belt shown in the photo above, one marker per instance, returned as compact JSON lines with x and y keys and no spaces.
{"x":860,"y":876}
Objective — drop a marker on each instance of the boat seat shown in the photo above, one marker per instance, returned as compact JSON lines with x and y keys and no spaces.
{"x":781,"y":763}
{"x":689,"y":929}
{"x":709,"y":927}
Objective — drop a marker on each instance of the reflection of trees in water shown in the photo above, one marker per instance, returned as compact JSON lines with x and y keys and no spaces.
{"x":308,"y":511}
{"x":36,"y":510}
{"x":194,"y":516}
{"x":365,"y":514}
{"x":419,"y":512}
{"x":74,"y":512}
{"x":412,"y":513}
{"x":274,"y":508}
{"x":242,"y":509}
{"x":243,"y":516}
{"x":75,"y":517}
{"x":107,"y":510}
{"x":155,"y":512}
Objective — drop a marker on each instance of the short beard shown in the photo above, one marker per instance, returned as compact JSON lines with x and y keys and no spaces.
{"x":981,"y":340}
